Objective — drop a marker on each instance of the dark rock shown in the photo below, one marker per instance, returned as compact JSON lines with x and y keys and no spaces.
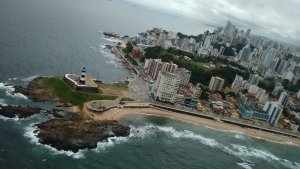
{"x":76,"y":135}
{"x":57,"y":113}
{"x":22,"y":112}
{"x":65,"y":105}
{"x":35,"y":92}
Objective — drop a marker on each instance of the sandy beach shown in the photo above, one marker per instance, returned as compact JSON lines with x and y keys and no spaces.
{"x":118,"y":113}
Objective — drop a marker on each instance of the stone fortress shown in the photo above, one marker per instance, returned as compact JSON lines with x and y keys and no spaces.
{"x":82,"y":82}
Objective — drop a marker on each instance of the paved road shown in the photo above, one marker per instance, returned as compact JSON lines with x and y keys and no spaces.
{"x":138,"y":87}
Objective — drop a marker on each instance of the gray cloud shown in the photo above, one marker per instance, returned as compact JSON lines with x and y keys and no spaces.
{"x":277,"y":19}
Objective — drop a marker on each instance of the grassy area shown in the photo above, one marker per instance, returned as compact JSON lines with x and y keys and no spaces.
{"x":57,"y":87}
{"x":114,"y":86}
{"x":203,"y":65}
{"x":127,"y":99}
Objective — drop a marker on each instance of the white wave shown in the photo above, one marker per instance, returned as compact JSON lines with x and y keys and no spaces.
{"x":16,"y":118}
{"x":4,"y":86}
{"x":37,"y":117}
{"x":101,"y":146}
{"x":245,"y":152}
{"x":239,"y":136}
{"x":11,"y":79}
{"x":10,"y":91}
{"x":244,"y":165}
{"x":113,"y":40}
{"x":111,"y":141}
{"x":170,"y":131}
{"x":113,"y":62}
{"x":16,"y":95}
{"x":29,"y":78}
{"x":239,"y":151}
{"x":110,"y":62}
{"x":106,"y":53}
{"x":32,"y":135}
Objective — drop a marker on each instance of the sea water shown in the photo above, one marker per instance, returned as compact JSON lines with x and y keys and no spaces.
{"x":43,"y":37}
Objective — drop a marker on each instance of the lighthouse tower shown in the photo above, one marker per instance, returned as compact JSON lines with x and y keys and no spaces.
{"x":82,"y":77}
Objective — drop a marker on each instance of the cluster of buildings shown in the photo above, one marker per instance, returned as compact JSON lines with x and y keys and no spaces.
{"x":267,"y":58}
{"x":171,"y":84}
{"x":255,"y":102}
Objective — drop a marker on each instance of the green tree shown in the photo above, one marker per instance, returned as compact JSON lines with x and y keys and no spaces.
{"x":267,"y":84}
{"x":128,"y":48}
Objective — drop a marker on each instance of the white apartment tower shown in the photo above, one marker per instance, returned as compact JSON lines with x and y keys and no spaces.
{"x":166,"y":86}
{"x":237,"y":84}
{"x":216,"y":84}
{"x":274,"y":110}
{"x":284,"y":98}
{"x":185,"y":75}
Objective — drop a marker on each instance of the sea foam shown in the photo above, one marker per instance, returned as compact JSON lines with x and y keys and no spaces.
{"x":32,"y":131}
{"x":10,"y":91}
{"x":242,"y":152}
{"x":141,"y":132}
{"x":29,"y":78}
{"x":16,"y":118}
{"x":245,"y":165}
{"x":111,"y":141}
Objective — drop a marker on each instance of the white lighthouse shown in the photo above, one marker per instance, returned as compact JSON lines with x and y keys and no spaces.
{"x":82,"y":77}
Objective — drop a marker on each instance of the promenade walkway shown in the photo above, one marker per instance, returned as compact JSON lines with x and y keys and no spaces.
{"x":228,"y":120}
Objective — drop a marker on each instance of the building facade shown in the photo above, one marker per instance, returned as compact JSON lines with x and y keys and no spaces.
{"x":274,"y":110}
{"x":154,"y":66}
{"x":284,"y":98}
{"x":237,"y":84}
{"x":166,"y":86}
{"x":216,"y":84}
{"x":185,"y":75}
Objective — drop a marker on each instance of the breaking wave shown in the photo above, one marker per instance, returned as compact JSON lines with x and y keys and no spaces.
{"x":245,"y":165}
{"x":102,"y":146}
{"x":239,"y":136}
{"x":16,"y":118}
{"x":113,"y":40}
{"x":242,"y":152}
{"x":12,"y":79}
{"x":30,"y":78}
{"x":10,"y":91}
{"x":31,"y":132}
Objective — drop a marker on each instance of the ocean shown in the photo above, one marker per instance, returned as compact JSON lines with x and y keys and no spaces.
{"x":43,"y":37}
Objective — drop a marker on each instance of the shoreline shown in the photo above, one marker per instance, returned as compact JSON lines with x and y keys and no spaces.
{"x":119,"y":113}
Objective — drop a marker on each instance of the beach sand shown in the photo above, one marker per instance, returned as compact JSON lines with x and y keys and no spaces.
{"x":118,"y":113}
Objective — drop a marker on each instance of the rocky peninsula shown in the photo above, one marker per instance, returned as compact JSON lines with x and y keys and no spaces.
{"x":76,"y":135}
{"x":36,"y":92}
{"x":69,"y":134}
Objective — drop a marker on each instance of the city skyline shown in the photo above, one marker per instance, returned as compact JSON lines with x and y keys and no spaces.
{"x":274,"y":20}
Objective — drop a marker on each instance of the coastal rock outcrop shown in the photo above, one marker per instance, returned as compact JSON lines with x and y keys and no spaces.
{"x":21,"y":112}
{"x":76,"y":135}
{"x":35,"y":92}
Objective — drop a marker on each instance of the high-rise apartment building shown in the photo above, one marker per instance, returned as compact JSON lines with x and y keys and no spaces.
{"x":274,"y":110}
{"x":216,"y":84}
{"x":237,"y":84}
{"x":166,"y":86}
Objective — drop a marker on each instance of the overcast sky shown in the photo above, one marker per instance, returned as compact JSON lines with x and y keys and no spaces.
{"x":279,"y":19}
